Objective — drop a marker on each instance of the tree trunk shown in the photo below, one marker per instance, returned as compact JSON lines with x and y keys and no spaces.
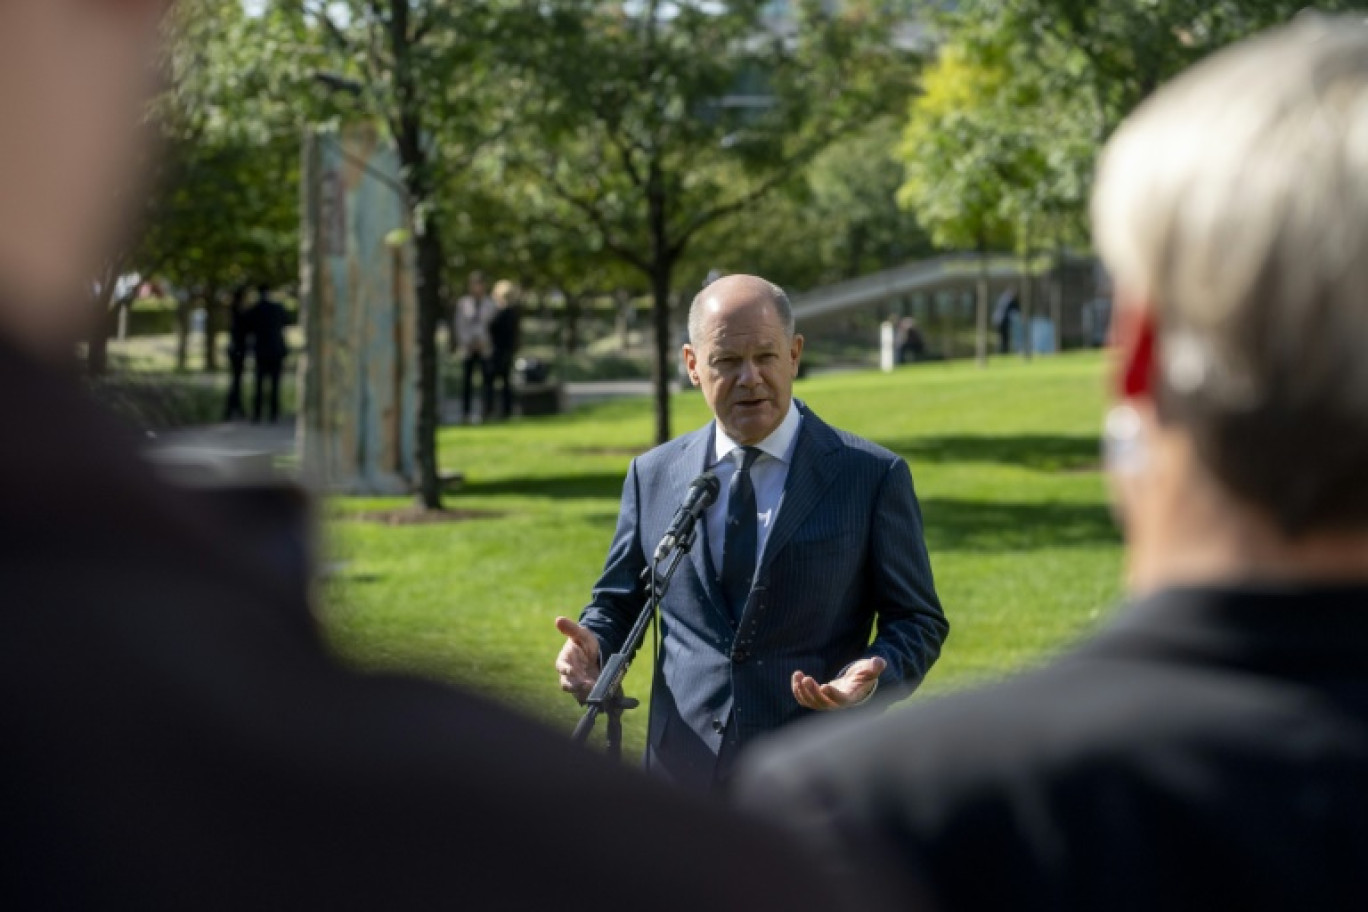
{"x":183,"y":312}
{"x":1027,"y":306}
{"x":662,"y":270}
{"x":429,"y":293}
{"x":664,"y":363}
{"x":981,"y":315}
{"x":570,"y":335}
{"x":212,"y":319}
{"x":1057,"y":299}
{"x":418,"y":182}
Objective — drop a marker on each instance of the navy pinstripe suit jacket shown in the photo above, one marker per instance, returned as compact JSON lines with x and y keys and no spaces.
{"x":846,"y":549}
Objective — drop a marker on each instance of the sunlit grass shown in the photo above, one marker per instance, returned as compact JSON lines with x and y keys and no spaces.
{"x":1004,"y":461}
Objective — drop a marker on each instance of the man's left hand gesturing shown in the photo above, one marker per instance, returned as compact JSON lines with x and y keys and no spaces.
{"x":853,"y":687}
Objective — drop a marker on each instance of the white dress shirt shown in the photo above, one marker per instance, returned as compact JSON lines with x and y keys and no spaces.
{"x":768,"y":475}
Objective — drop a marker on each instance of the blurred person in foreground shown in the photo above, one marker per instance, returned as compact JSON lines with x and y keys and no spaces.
{"x":1209,"y":748}
{"x":175,"y":734}
{"x":815,"y":537}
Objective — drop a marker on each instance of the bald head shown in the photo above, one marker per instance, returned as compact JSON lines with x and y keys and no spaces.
{"x":736,"y":292}
{"x":743,"y":354}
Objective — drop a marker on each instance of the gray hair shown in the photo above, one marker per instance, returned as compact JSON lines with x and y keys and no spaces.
{"x":776,"y":296}
{"x":1235,"y":202}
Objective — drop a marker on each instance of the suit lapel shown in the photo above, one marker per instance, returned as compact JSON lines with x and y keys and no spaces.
{"x":809,"y":477}
{"x":694,"y":459}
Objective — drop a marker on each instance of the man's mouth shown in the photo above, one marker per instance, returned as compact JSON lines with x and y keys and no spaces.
{"x":751,"y":403}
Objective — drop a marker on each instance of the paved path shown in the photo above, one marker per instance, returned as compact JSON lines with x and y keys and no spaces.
{"x":239,"y":437}
{"x":279,"y":439}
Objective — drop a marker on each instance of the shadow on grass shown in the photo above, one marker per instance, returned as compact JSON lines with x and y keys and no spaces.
{"x":602,"y":485}
{"x":1042,"y":452}
{"x":973,"y":525}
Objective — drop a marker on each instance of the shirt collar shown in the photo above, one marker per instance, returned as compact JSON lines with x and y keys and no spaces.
{"x":779,"y":444}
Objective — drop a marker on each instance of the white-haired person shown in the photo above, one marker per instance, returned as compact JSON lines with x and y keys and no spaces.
{"x":1208,"y":749}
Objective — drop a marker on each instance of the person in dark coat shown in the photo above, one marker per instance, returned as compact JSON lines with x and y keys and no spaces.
{"x":911,"y":344}
{"x":266,"y":322}
{"x":1004,"y":312}
{"x":810,"y":588}
{"x":504,"y":338}
{"x":239,"y":339}
{"x":1209,"y":748}
{"x":176,"y":733}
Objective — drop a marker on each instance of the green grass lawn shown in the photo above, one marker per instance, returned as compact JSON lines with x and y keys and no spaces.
{"x":1005,"y":462}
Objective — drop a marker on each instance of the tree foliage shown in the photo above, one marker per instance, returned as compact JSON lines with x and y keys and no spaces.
{"x":1001,"y":145}
{"x":651,"y":123}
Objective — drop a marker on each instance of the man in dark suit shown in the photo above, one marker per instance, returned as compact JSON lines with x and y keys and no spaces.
{"x":816,"y":535}
{"x":1209,"y":749}
{"x":266,"y":323}
{"x":175,"y":733}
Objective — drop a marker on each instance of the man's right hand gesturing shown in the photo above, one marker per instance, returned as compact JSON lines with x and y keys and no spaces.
{"x":578,"y":662}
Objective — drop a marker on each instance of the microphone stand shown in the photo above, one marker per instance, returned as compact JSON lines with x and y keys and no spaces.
{"x":607,"y":696}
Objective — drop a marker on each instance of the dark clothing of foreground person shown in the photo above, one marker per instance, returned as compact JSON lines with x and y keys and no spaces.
{"x":176,"y":736}
{"x":1209,"y":750}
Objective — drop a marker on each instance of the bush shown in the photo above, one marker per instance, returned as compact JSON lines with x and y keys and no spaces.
{"x":161,"y":402}
{"x":603,"y":367}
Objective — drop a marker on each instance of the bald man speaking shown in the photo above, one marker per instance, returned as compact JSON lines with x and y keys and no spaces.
{"x":815,"y":536}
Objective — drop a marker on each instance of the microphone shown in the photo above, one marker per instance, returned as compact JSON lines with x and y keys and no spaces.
{"x":702,"y":492}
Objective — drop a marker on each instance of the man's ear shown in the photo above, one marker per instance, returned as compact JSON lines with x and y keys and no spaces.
{"x":796,"y":352}
{"x":691,"y":363}
{"x":1136,"y":351}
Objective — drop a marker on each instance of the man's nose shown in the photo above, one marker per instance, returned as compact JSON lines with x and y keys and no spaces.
{"x":750,"y":373}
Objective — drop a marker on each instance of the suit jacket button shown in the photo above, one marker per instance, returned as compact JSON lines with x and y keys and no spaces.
{"x":718,"y":726}
{"x":739,"y":655}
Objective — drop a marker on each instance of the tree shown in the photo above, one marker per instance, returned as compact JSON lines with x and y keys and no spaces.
{"x":838,"y":219}
{"x":655,"y":122}
{"x":1001,"y":147}
{"x":1025,"y":94}
{"x":964,"y":155}
{"x":223,"y":206}
{"x":425,"y":70}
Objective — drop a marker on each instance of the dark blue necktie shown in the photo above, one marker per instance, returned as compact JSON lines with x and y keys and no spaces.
{"x":742,"y":532}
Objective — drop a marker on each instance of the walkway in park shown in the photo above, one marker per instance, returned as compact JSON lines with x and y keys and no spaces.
{"x":278,"y":440}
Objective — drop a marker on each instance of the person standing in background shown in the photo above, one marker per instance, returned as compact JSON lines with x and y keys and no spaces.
{"x":815,"y":538}
{"x":266,"y":323}
{"x":474,"y":313}
{"x":505,"y":329}
{"x":1005,"y":313}
{"x":237,"y":354}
